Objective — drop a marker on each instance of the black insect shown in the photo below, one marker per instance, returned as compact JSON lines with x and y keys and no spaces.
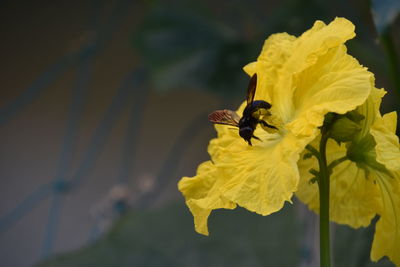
{"x":251,"y":114}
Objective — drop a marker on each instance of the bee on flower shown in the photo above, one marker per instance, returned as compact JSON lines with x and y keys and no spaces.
{"x":305,"y":80}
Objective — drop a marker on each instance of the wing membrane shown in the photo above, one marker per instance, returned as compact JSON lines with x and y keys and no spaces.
{"x":226,"y":116}
{"x":251,"y":89}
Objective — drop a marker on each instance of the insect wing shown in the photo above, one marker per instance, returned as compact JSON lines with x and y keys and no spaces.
{"x":226,"y":116}
{"x":251,"y":89}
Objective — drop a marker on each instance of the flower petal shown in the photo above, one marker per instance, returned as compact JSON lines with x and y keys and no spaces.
{"x":370,"y":110}
{"x":262,"y":177}
{"x":202,"y":194}
{"x":259,"y":178}
{"x":390,"y":121}
{"x":317,"y":41}
{"x":307,"y":77}
{"x":387,"y":143}
{"x":275,"y":52}
{"x":314,"y":73}
{"x":336,"y":83}
{"x":387,"y":233}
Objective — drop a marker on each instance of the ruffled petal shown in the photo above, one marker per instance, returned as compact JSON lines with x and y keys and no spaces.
{"x":387,"y":143}
{"x":317,"y":41}
{"x":387,"y":233}
{"x":264,"y":176}
{"x":390,"y":121}
{"x":309,"y":48}
{"x":307,"y":77}
{"x":202,"y":194}
{"x":275,"y":52}
{"x":370,"y":111}
{"x":354,"y":197}
{"x":336,"y":83}
{"x":259,"y":178}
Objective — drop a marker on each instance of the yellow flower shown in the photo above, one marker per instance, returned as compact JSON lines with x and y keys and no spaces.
{"x":367,"y":183}
{"x":303,"y":78}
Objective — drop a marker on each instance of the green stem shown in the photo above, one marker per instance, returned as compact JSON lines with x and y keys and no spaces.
{"x":336,"y":162}
{"x":323,"y":184}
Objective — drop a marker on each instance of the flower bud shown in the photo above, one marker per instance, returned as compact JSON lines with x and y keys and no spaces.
{"x":344,"y":129}
{"x":355,"y":116}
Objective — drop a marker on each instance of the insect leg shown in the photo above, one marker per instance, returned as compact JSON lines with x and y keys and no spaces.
{"x":267,"y":125}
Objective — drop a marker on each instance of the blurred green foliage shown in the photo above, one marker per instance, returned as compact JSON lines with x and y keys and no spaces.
{"x":185,"y":45}
{"x":184,"y":49}
{"x":166,"y":237}
{"x":195,"y":44}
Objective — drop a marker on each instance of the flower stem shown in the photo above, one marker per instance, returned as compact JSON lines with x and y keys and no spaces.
{"x":323,"y":184}
{"x":337,"y":162}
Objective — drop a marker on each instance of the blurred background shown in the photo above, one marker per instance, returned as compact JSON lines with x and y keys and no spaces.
{"x":103,"y":108}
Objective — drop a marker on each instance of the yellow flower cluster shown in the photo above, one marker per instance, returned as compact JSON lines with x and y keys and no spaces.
{"x":367,"y":183}
{"x":304,"y":79}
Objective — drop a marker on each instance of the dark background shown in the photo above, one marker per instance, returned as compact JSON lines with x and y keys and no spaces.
{"x":103,"y":108}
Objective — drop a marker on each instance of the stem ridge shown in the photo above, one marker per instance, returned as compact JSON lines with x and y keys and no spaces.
{"x":324,"y":190}
{"x":322,"y":177}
